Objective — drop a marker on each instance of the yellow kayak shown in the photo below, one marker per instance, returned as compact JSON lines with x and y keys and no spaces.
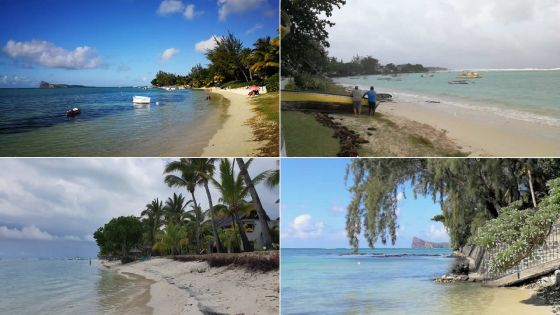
{"x":318,"y":101}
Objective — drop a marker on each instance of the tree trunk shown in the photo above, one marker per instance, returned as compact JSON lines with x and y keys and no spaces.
{"x":197,"y":229}
{"x":267,"y":240}
{"x":244,"y":240}
{"x":246,"y":79}
{"x":217,"y":240}
{"x":531,"y":188}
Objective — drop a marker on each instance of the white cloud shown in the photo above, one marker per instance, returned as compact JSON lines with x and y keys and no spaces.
{"x":438,"y":234}
{"x":400,"y":196}
{"x":207,"y":44}
{"x":13,"y":80}
{"x":28,"y":232}
{"x":31,"y":232}
{"x":255,"y":28}
{"x":227,"y":7}
{"x":454,"y":34}
{"x":43,"y":53}
{"x":189,"y":12}
{"x":167,"y":54}
{"x":301,"y":227}
{"x":170,"y":6}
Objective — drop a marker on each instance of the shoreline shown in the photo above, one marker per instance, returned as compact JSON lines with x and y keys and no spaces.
{"x":482,"y":134}
{"x":196,"y":288}
{"x":235,"y":136}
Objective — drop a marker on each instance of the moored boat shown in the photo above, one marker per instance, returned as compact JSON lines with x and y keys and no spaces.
{"x":469,"y":75}
{"x":73,"y":112}
{"x":141,"y":100}
{"x":323,"y":101}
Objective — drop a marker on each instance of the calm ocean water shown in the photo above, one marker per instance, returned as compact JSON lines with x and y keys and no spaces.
{"x":33,"y":122}
{"x":526,"y":95}
{"x":55,"y":286}
{"x":381,"y":281}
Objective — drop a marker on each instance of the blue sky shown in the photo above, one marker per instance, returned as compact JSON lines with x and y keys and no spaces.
{"x":314,"y":198}
{"x":119,"y":42}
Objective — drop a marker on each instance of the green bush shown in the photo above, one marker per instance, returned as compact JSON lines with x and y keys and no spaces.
{"x":520,"y":231}
{"x":272,"y":83}
{"x":305,"y":81}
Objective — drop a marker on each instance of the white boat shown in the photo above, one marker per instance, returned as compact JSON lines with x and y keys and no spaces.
{"x":141,"y":100}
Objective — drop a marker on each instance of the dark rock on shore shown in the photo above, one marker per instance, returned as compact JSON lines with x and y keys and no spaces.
{"x":349,"y":139}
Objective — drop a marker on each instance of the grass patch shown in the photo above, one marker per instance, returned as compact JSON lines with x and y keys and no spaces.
{"x":305,"y":136}
{"x":267,"y":104}
{"x":254,"y":261}
{"x":266,"y":123}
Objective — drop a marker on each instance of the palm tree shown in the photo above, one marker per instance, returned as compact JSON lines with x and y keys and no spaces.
{"x":174,"y":209}
{"x":153,"y":214}
{"x":265,"y":57}
{"x":231,"y":239}
{"x":172,"y":240}
{"x":204,"y":169}
{"x":187,"y":177}
{"x":233,"y":191}
{"x":196,"y":219}
{"x":250,"y":184}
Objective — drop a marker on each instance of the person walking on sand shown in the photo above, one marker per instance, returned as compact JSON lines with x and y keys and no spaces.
{"x":372,"y":99}
{"x":357,"y":101}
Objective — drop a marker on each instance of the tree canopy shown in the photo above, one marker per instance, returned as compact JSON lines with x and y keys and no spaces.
{"x":469,"y":191}
{"x":172,"y":227}
{"x":119,"y":236}
{"x":232,"y":64}
{"x":304,"y":34}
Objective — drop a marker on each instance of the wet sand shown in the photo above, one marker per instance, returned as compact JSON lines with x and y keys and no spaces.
{"x":195,"y":288}
{"x":235,"y":137}
{"x":482,"y":133}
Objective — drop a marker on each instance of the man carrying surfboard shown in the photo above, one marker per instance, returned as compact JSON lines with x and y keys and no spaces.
{"x":357,"y":101}
{"x":372,"y":99}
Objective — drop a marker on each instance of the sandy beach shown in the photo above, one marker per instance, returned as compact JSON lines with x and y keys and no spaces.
{"x":475,"y":133}
{"x":235,"y":137}
{"x":482,"y":133}
{"x":195,"y":288}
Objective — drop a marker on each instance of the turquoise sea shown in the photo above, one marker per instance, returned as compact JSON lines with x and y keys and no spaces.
{"x":529,"y":95}
{"x":384,"y":281}
{"x":58,"y":286}
{"x":33,"y":122}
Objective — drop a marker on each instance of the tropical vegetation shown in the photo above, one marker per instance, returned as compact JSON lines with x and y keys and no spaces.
{"x":231,"y":64}
{"x":180,"y":224}
{"x":475,"y":195}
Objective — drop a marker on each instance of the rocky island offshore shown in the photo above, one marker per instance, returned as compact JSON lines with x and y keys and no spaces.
{"x":47,"y":85}
{"x":420,"y":243}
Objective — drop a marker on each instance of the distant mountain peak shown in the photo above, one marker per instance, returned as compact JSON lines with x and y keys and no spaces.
{"x":420,"y":243}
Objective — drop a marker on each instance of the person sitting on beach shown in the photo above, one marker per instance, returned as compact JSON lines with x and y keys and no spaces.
{"x":357,"y":101}
{"x":372,"y":99}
